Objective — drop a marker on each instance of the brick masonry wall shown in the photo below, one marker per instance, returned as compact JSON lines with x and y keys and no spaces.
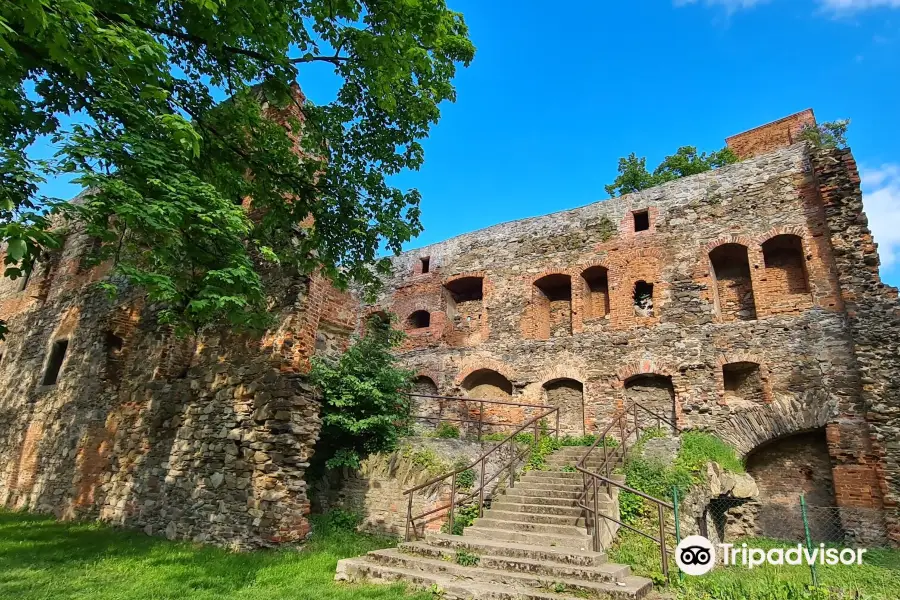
{"x":202,"y":438}
{"x":770,"y":136}
{"x":775,"y":206}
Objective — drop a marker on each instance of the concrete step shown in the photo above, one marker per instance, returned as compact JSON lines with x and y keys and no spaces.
{"x":568,"y":556}
{"x":549,"y":487}
{"x":530,"y":517}
{"x":527,"y":526}
{"x":602,"y":572}
{"x":546,"y":500}
{"x":552,"y":475}
{"x":577,"y":539}
{"x":571,"y":493}
{"x":540,"y":581}
{"x":505,"y":505}
{"x":363,"y":569}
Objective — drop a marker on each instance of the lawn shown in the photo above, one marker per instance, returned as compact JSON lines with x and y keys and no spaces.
{"x":41,"y":558}
{"x":878,"y":578}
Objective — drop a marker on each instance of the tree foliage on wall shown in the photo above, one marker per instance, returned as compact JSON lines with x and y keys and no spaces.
{"x":831,"y":134}
{"x":634,"y":176}
{"x":127,"y":92}
{"x":365,"y":406}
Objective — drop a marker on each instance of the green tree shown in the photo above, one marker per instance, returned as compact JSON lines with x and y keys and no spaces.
{"x":634,"y":176}
{"x":831,"y":134}
{"x":365,"y":401}
{"x":127,"y":92}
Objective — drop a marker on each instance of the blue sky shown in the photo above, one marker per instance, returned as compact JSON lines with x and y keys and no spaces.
{"x":558,"y":92}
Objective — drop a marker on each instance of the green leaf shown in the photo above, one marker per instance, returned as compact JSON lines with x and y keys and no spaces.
{"x":16,"y":249}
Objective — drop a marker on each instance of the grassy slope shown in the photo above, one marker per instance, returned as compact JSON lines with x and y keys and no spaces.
{"x":41,"y":558}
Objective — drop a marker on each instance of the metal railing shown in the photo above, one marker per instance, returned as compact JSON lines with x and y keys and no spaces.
{"x":468,"y":403}
{"x":507,"y":470}
{"x":626,"y":426}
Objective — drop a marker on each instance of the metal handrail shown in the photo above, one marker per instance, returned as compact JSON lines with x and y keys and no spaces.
{"x":590,"y":479}
{"x":481,"y":403}
{"x":507,"y":469}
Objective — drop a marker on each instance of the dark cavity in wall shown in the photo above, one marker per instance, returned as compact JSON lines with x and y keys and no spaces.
{"x":734,"y":288}
{"x":643,"y":299}
{"x":418,"y":320}
{"x":54,"y":364}
{"x":641,"y":220}
{"x":553,"y":305}
{"x":743,"y":381}
{"x":464,"y":299}
{"x":568,"y":396}
{"x":596,"y":282}
{"x":785,"y":265}
{"x":784,"y":469}
{"x":655,"y":393}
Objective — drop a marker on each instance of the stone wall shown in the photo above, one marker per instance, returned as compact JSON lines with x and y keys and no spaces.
{"x":756,"y":272}
{"x":375,"y":491}
{"x":205,"y":438}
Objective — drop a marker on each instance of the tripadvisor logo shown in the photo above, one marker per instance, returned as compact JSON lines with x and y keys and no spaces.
{"x":696,"y":555}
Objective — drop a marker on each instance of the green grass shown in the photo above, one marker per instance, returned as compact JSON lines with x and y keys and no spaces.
{"x":698,"y":448}
{"x":41,"y":558}
{"x":878,"y":578}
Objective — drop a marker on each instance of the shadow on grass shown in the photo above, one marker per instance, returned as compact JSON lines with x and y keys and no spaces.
{"x":44,"y":558}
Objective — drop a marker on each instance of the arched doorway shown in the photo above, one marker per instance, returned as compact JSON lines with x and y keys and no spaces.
{"x":568,"y":395}
{"x":653,"y":392}
{"x":491,"y":385}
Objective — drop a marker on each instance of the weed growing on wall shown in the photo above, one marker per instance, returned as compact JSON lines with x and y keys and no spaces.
{"x":365,"y":407}
{"x":657,"y":480}
{"x":463,"y":517}
{"x":447,"y":431}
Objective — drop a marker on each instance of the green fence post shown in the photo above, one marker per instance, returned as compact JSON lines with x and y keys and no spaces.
{"x":677,"y":526}
{"x":812,"y":566}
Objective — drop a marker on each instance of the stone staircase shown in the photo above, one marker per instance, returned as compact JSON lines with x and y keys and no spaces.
{"x":531,"y":544}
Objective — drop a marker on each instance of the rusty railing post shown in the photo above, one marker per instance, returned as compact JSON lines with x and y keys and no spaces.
{"x":662,"y":541}
{"x":440,"y":412}
{"x":512,"y":468}
{"x":637,"y":426}
{"x":481,"y":490}
{"x":452,"y":501}
{"x":557,"y":423}
{"x":409,"y":517}
{"x":596,"y":517}
{"x":480,"y":419}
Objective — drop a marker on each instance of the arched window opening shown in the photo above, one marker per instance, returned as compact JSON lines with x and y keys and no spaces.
{"x":568,"y":396}
{"x":734,"y":287}
{"x":552,"y":305}
{"x":785,"y":265}
{"x":654,"y":392}
{"x":418,"y":319}
{"x":487,"y":384}
{"x":113,"y":346}
{"x":465,"y":302}
{"x":643,"y":299}
{"x":743,"y":381}
{"x":596,"y":296}
{"x":784,"y":469}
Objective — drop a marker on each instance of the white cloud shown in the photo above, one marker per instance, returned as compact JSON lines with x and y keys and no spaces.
{"x":832,"y":6}
{"x":881,"y":200}
{"x":847,"y":6}
{"x":729,"y":5}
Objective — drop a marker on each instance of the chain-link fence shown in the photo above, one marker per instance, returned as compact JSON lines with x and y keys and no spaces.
{"x":789,"y":519}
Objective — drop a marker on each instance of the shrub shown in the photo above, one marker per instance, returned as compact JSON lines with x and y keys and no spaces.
{"x":447,"y":431}
{"x":365,"y":408}
{"x":464,"y":479}
{"x":339,"y":518}
{"x":463,"y":517}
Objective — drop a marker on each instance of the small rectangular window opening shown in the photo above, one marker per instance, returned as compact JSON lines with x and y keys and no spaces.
{"x":426,"y":264}
{"x":641,"y":220}
{"x":57,"y":355}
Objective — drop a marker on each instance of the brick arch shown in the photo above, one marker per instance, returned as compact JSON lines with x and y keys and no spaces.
{"x":740,"y":240}
{"x":748,"y":429}
{"x":647,"y":366}
{"x":600,"y":262}
{"x":477,"y":363}
{"x":739,"y":356}
{"x":784,"y":230}
{"x":452,"y":278}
